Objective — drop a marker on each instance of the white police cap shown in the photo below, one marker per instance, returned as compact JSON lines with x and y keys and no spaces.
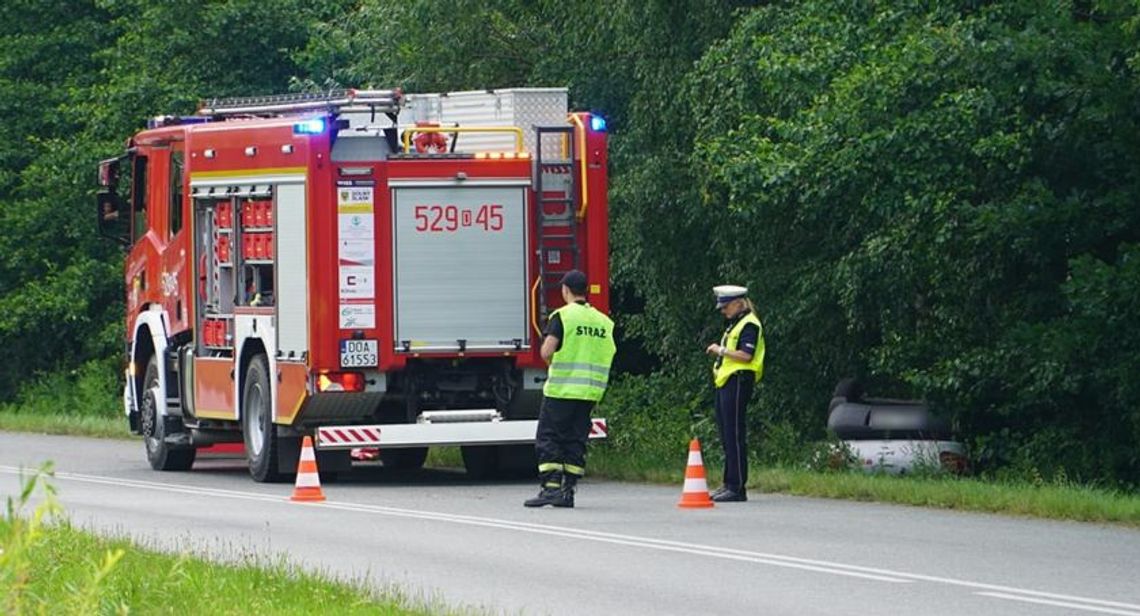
{"x":727,"y":292}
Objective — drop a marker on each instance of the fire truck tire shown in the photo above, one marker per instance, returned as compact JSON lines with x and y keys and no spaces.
{"x":257,"y":423}
{"x":499,"y":461}
{"x":518,"y":461}
{"x":406,"y":459}
{"x":161,"y":455}
{"x":481,"y":461}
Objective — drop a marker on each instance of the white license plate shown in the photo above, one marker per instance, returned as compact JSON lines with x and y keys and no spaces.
{"x":359,"y":353}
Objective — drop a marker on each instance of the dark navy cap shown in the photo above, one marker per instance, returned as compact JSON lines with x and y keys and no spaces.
{"x":575,"y":281}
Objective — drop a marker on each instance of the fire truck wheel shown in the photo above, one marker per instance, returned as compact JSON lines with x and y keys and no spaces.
{"x":517,"y":462}
{"x":162,"y":456}
{"x":481,"y":461}
{"x":404,"y":459}
{"x":257,"y":423}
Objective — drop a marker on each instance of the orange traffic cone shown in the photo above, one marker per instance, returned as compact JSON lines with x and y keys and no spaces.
{"x":308,"y":486}
{"x":695,"y":494}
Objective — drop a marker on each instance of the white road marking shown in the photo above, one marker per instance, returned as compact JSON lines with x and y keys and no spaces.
{"x":1066,"y":604}
{"x":778,"y":560}
{"x":573,"y":533}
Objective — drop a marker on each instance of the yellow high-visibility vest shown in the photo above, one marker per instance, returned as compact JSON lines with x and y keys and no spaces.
{"x":580,"y":370}
{"x":727,"y":366}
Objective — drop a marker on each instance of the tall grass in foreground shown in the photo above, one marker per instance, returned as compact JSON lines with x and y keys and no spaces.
{"x":49,"y":567}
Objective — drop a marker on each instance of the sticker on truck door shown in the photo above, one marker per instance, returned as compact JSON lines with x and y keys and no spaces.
{"x":356,"y":258}
{"x":356,"y":315}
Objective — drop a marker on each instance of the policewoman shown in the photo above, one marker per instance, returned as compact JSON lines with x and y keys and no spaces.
{"x":737,"y":367}
{"x":579,"y":348}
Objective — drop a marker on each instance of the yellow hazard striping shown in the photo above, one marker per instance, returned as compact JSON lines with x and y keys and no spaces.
{"x":211,"y":414}
{"x":236,"y":173}
{"x":356,"y":208}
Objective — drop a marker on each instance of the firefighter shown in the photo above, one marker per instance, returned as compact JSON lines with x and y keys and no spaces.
{"x":738,"y":366}
{"x":579,"y":347}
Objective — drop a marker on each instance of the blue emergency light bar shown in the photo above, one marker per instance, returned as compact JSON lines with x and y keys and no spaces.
{"x":314,"y":126}
{"x":598,"y":123}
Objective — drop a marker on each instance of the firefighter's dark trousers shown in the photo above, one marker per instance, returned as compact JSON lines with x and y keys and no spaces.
{"x":560,"y":442}
{"x":731,"y":404}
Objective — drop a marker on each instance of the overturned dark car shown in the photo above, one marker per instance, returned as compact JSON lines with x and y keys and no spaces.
{"x":891,"y":435}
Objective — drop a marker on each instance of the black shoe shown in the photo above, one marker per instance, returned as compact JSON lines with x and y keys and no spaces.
{"x":730,"y":496}
{"x":718,"y":492}
{"x":565,"y":499}
{"x":546,"y":496}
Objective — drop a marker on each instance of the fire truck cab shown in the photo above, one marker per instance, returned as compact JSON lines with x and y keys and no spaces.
{"x":370,"y":268}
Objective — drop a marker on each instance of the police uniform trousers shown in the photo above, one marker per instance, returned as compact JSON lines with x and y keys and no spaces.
{"x":560,"y":440}
{"x":731,"y":403}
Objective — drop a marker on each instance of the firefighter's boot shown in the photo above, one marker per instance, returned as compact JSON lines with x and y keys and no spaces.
{"x":551,"y":492}
{"x":546,"y":496}
{"x":566,"y":491}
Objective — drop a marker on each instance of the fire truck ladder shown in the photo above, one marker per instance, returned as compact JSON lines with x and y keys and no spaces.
{"x":556,"y":188}
{"x":333,"y":101}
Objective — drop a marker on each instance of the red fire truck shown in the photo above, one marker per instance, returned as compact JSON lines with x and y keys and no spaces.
{"x":363,"y":266}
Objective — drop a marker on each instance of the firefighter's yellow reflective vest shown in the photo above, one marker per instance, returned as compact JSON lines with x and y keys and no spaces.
{"x":580,"y":370}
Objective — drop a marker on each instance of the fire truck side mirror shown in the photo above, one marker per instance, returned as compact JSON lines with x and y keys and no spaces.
{"x":109,"y":173}
{"x":113,"y":217}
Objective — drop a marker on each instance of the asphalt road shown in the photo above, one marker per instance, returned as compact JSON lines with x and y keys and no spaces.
{"x":626,"y":549}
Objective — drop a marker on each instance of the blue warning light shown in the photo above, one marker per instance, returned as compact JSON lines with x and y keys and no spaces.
{"x":315,"y":126}
{"x":598,"y":124}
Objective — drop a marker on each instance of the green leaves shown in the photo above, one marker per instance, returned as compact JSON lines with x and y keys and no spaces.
{"x":918,"y":181}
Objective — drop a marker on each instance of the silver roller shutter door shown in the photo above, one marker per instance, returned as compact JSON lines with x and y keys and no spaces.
{"x":460,"y":267}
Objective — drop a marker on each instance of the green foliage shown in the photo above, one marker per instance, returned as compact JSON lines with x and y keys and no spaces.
{"x":78,"y":79}
{"x":916,"y":194}
{"x":656,"y":414}
{"x":94,"y":389}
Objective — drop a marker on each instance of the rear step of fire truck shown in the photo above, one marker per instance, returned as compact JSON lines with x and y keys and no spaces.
{"x":438,"y":428}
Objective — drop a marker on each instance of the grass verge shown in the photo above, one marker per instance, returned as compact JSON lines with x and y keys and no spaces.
{"x":77,"y":425}
{"x":1058,"y":502}
{"x":1049,"y":501}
